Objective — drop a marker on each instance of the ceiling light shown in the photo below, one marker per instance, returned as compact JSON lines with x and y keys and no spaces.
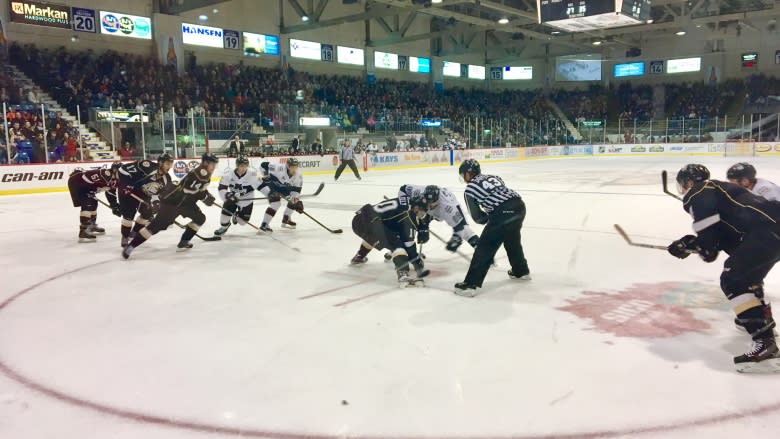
{"x":203,"y":17}
{"x":503,"y":20}
{"x":305,"y":18}
{"x":556,"y":32}
{"x":435,"y":1}
{"x":680,"y":33}
{"x":215,"y":10}
{"x":597,"y":43}
{"x":649,"y":21}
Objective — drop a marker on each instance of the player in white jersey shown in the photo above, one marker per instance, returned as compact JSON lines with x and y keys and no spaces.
{"x":442,"y":206}
{"x":237,"y":188}
{"x":281,"y":181}
{"x":744,"y":174}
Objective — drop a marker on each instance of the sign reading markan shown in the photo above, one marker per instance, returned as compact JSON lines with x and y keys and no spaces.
{"x":41,"y":14}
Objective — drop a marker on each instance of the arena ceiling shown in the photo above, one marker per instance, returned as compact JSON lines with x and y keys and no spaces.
{"x":457,"y":22}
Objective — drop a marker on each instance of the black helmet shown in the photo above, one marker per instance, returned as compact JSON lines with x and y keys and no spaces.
{"x":471,"y":166}
{"x":209,"y":158}
{"x":740,"y":171}
{"x":164,"y":157}
{"x":292,"y":161}
{"x":693,"y":172}
{"x":431,"y":193}
{"x":241,"y":160}
{"x":419,"y":202}
{"x":115,"y":166}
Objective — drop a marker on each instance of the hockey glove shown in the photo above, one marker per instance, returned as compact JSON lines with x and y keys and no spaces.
{"x":708,"y":254}
{"x":683,"y":247}
{"x":297,"y":206}
{"x":209,"y":199}
{"x":423,"y":235}
{"x":454,"y":243}
{"x":473,"y":241}
{"x":231,"y":197}
{"x":155,"y":202}
{"x":115,"y":210}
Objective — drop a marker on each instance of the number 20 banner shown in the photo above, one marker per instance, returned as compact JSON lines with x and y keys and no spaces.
{"x":84,"y":20}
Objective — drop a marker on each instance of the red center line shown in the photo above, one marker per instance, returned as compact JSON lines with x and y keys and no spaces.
{"x":356,"y":299}
{"x":343,"y":287}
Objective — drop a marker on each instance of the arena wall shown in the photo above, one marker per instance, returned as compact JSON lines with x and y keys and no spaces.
{"x":30,"y":179}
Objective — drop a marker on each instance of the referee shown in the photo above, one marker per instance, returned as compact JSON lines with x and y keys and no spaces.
{"x":347,"y":157}
{"x":502,"y":211}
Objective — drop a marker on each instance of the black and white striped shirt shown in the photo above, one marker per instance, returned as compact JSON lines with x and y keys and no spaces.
{"x":347,"y":153}
{"x":489,"y":192}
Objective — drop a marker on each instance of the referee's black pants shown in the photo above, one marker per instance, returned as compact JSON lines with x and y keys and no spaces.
{"x":344,"y":163}
{"x":503,"y":227}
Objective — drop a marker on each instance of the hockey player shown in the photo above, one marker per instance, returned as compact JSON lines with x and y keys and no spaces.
{"x":83,"y":187}
{"x":391,"y":225}
{"x":728,"y":217}
{"x":744,"y":174}
{"x":140,"y":183}
{"x":181,"y":200}
{"x":236,"y":188}
{"x":442,"y":206}
{"x":502,"y":211}
{"x":281,"y":181}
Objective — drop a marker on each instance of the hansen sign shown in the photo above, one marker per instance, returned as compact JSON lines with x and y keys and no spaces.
{"x":41,"y":14}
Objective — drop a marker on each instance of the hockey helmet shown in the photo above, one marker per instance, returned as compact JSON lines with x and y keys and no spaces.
{"x":418,"y":201}
{"x":471,"y":166}
{"x":292,"y":161}
{"x":209,"y":158}
{"x":115,"y":166}
{"x":241,"y":160}
{"x":692,"y":172}
{"x":431,"y":194}
{"x":164,"y":157}
{"x":740,"y":171}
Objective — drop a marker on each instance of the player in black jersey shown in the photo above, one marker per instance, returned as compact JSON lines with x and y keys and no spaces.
{"x":181,"y":199}
{"x":728,"y":217}
{"x":502,"y":211}
{"x":140,"y":183}
{"x":83,"y":187}
{"x":391,"y":225}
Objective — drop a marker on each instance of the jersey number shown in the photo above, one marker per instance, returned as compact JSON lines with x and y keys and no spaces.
{"x":491,"y":183}
{"x":386,"y":206}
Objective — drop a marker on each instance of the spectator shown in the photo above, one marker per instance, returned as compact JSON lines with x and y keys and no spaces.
{"x":71,"y":148}
{"x":126,"y":152}
{"x":295,"y":146}
{"x":236,"y":147}
{"x":316,"y":147}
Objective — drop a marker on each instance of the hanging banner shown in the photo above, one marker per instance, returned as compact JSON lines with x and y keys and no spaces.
{"x":40,"y":14}
{"x":125,"y":25}
{"x":84,"y":20}
{"x":171,"y":52}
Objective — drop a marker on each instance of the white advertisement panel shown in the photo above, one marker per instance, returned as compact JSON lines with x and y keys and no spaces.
{"x":125,"y":25}
{"x":386,"y":60}
{"x":518,"y":73}
{"x":476,"y":72}
{"x":305,"y":49}
{"x":314,"y":121}
{"x":197,"y":35}
{"x":450,"y":69}
{"x":350,"y":55}
{"x":683,"y":65}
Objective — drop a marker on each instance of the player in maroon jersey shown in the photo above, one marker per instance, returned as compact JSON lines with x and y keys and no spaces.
{"x":83,"y":187}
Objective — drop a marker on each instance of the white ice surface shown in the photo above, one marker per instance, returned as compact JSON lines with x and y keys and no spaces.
{"x":220,"y":336}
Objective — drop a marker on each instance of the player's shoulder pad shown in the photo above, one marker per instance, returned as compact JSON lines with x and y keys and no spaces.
{"x":146,"y":164}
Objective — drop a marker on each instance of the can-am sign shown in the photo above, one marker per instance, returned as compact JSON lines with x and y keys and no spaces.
{"x":198,"y":35}
{"x":41,"y":14}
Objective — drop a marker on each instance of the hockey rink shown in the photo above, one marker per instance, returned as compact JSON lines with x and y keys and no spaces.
{"x":248,"y":338}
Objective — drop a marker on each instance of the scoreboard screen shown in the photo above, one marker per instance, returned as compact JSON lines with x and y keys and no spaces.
{"x":588,"y":15}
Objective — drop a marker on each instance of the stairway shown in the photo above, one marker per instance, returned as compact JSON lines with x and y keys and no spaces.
{"x":566,"y":122}
{"x":89,"y":139}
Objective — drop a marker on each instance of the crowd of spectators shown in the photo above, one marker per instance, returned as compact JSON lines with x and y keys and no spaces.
{"x":32,"y":137}
{"x":695,"y":100}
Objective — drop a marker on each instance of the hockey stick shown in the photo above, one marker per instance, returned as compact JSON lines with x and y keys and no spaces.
{"x":180,"y":225}
{"x":625,"y":236}
{"x":317,"y":192}
{"x":322,"y":225}
{"x":664,"y":177}
{"x":459,"y":253}
{"x":295,"y":249}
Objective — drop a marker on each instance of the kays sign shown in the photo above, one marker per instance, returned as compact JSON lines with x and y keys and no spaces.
{"x":41,"y":14}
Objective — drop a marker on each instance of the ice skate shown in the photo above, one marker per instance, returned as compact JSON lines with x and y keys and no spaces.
{"x":763,"y":357}
{"x":523,"y":276}
{"x":358,"y":260}
{"x":406,"y":279}
{"x":126,"y":252}
{"x":465,"y":289}
{"x":86,"y":236}
{"x":288,"y":223}
{"x":264,"y":229}
{"x":184,"y":246}
{"x":221,"y":230}
{"x":96,"y":230}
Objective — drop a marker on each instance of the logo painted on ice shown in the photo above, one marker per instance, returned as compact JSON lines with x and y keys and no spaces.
{"x":648,"y":310}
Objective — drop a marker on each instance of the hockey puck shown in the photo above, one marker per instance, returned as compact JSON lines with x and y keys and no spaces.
{"x":344,"y":402}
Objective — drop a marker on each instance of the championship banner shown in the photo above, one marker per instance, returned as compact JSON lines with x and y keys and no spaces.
{"x":40,"y":14}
